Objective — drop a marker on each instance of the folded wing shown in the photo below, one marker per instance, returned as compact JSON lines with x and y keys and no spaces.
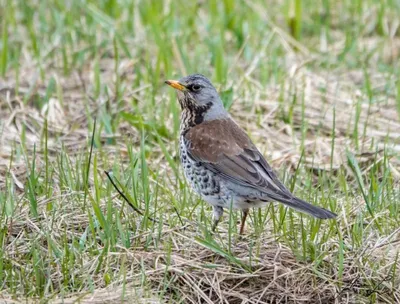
{"x":226,"y":149}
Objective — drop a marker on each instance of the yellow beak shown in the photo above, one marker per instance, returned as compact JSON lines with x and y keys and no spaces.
{"x":176,"y":85}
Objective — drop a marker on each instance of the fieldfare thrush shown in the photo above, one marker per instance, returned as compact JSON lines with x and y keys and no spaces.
{"x":219,"y":160}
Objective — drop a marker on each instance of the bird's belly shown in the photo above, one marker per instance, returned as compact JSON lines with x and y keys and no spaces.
{"x":203,"y":181}
{"x":212,"y":189}
{"x":215,"y":191}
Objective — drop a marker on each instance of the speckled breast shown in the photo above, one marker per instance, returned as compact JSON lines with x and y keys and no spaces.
{"x":202,"y":180}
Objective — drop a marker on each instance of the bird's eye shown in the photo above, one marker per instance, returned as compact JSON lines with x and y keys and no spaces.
{"x":195,"y":87}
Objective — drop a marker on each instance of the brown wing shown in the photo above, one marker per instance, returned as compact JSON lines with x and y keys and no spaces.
{"x":225,"y":148}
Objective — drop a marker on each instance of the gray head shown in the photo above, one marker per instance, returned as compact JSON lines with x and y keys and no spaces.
{"x":197,"y":95}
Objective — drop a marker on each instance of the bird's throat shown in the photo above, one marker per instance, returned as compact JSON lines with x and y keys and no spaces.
{"x":192,"y":115}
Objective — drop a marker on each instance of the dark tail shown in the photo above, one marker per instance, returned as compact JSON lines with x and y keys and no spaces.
{"x":305,"y":207}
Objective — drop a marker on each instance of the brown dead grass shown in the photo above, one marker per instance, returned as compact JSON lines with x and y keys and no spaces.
{"x":194,"y":271}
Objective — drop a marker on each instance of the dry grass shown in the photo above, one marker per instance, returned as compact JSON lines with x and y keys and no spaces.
{"x":177,"y":260}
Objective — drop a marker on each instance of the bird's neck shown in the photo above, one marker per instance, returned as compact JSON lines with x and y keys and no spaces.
{"x":192,"y":116}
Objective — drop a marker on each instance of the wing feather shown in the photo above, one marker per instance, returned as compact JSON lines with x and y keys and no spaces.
{"x":227,"y":150}
{"x":224,"y":148}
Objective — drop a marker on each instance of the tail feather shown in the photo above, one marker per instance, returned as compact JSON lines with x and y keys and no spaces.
{"x":305,"y":207}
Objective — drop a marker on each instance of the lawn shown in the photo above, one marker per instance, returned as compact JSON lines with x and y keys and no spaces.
{"x":316,"y":84}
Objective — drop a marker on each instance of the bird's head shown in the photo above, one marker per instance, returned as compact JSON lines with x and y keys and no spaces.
{"x":197,"y":95}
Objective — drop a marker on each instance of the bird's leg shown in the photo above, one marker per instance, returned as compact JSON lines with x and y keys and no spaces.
{"x":217,"y":213}
{"x":245,"y":212}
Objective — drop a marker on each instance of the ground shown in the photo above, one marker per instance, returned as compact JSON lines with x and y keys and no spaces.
{"x":315,"y":84}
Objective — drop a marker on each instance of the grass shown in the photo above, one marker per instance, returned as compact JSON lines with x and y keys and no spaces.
{"x":315,"y":84}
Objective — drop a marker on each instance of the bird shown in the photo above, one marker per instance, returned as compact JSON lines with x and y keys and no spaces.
{"x":219,"y":160}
